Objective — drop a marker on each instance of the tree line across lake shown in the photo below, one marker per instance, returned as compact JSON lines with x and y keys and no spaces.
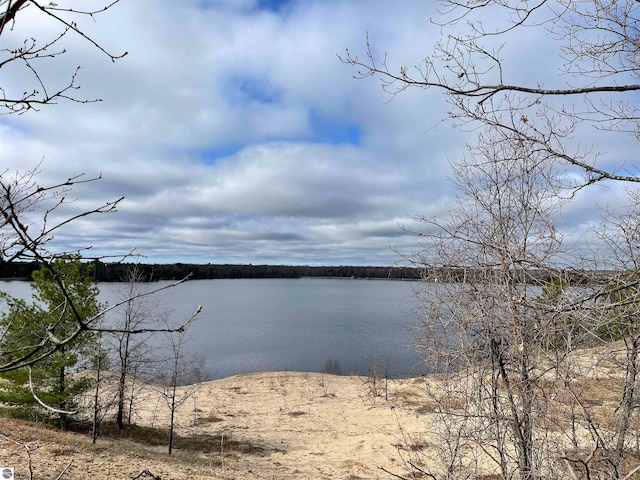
{"x":116,"y":272}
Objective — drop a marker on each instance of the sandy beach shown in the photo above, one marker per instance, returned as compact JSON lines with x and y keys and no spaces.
{"x":257,"y":426}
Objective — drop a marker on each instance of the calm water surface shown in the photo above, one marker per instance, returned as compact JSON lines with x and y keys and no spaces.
{"x":289,"y":324}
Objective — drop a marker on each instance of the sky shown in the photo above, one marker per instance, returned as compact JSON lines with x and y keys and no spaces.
{"x":236,"y":134}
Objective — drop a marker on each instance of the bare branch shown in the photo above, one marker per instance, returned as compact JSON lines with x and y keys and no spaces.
{"x":599,"y":41}
{"x":17,"y":241}
{"x":48,"y":345}
{"x":48,"y":407}
{"x":73,"y":26}
{"x":31,"y":53}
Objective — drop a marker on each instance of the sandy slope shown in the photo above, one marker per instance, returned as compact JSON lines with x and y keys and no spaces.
{"x":269,"y":426}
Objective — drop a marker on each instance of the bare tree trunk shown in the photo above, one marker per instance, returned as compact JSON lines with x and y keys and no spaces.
{"x":61,"y":391}
{"x":627,"y":404}
{"x":122,"y":381}
{"x":521,"y":414}
{"x":132,"y":395}
{"x":96,"y":402}
{"x":173,"y":410}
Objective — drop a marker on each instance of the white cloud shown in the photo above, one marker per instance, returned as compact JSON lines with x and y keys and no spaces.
{"x":236,"y":134}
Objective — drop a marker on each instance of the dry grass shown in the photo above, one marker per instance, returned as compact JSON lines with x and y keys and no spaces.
{"x":145,"y":436}
{"x":211,"y":418}
{"x":284,"y":426}
{"x":250,"y":427}
{"x":52,"y":451}
{"x":592,"y":392}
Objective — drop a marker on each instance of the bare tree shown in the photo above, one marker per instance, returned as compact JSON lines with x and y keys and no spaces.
{"x":378,"y":371}
{"x":614,"y":317}
{"x":133,"y":352}
{"x":100,"y":407}
{"x":491,"y":263}
{"x":599,"y":47}
{"x":184,"y":369}
{"x":507,"y":308}
{"x":483,"y":261}
{"x":542,"y":356}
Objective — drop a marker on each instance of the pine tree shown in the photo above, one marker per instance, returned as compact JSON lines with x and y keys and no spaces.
{"x":49,"y":316}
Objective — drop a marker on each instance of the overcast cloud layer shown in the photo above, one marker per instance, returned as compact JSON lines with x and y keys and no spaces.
{"x":237,"y":136}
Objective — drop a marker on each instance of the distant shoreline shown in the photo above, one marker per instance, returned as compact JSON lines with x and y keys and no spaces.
{"x":120,"y":272}
{"x":117,"y":272}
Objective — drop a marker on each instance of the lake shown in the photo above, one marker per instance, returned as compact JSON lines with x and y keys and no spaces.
{"x":289,"y":324}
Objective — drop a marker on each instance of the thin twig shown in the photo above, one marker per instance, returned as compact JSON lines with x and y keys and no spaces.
{"x":64,"y":470}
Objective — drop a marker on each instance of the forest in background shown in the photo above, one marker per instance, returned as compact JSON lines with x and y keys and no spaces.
{"x":116,"y":272}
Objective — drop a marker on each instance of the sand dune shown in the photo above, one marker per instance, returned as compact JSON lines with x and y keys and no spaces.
{"x":267,"y":426}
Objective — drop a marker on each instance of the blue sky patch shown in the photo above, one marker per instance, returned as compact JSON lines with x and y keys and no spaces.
{"x":273,"y":5}
{"x":332,"y":130}
{"x":251,"y":90}
{"x":323,"y":129}
{"x":211,"y":156}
